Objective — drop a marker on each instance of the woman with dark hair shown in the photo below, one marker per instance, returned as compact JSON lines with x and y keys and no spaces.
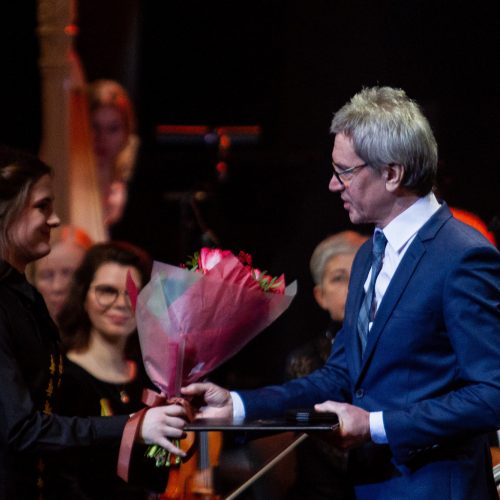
{"x":102,"y":375}
{"x":30,"y":362}
{"x":113,"y":261}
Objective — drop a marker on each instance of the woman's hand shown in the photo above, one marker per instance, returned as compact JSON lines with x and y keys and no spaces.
{"x":163,"y":422}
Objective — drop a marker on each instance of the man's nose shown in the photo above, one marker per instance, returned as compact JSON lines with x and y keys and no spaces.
{"x":335,"y":185}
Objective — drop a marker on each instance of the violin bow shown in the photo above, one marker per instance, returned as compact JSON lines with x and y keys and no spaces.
{"x":271,"y":463}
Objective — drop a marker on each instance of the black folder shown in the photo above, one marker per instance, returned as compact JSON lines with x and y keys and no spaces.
{"x":295,"y":421}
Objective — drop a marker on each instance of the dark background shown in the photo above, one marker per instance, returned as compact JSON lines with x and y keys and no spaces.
{"x":285,"y":66}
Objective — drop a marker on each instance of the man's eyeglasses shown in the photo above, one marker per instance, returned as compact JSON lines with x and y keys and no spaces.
{"x":347,"y":174}
{"x":106,"y":295}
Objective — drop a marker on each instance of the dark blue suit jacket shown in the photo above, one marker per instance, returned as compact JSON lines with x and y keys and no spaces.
{"x":432,"y":365}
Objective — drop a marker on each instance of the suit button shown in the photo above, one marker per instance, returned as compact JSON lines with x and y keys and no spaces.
{"x":359,"y":393}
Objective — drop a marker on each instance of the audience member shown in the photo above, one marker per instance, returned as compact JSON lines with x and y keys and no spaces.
{"x":52,"y":274}
{"x":330,"y":267}
{"x":103,"y":375}
{"x":30,"y":361}
{"x":115,"y":142}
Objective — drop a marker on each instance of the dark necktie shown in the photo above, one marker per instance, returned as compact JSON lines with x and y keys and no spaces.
{"x":366,"y":313}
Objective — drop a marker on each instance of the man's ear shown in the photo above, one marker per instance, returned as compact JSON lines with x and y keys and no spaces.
{"x":318,"y":295}
{"x":394,"y":174}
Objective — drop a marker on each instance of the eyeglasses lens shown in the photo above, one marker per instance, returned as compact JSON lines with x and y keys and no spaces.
{"x":106,"y":295}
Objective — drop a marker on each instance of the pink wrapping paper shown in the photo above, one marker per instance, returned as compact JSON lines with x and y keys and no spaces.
{"x":189,"y":323}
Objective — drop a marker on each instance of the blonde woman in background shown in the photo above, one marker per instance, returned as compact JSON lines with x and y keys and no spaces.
{"x":115,"y":144}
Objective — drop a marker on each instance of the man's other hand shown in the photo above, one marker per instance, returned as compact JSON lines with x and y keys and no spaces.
{"x":354,"y":428}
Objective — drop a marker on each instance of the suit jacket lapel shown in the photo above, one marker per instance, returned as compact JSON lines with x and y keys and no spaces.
{"x":396,"y":287}
{"x":356,"y":295}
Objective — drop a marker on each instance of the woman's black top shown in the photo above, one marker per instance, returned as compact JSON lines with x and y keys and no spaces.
{"x":90,"y":473}
{"x":30,"y":374}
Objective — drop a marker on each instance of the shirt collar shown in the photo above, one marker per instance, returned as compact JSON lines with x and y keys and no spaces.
{"x":402,"y":228}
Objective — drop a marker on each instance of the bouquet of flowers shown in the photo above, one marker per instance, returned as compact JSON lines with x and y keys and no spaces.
{"x":191,"y":319}
{"x":191,"y":322}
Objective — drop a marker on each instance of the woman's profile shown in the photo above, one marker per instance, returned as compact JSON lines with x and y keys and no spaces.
{"x":31,"y":365}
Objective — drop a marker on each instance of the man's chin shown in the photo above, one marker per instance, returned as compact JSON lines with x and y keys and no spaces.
{"x":354,"y":217}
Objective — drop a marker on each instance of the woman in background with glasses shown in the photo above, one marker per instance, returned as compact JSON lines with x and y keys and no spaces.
{"x":102,"y":374}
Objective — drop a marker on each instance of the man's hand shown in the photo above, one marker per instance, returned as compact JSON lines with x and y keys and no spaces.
{"x":354,"y":424}
{"x":215,"y":402}
{"x":164,"y":422}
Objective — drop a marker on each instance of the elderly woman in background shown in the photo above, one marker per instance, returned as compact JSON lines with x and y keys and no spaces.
{"x":330,"y":267}
{"x":30,"y":360}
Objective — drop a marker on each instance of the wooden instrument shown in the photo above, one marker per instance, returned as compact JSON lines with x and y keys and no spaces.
{"x":193,"y":479}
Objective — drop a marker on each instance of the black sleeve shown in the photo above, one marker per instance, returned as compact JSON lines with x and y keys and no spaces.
{"x":25,"y":428}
